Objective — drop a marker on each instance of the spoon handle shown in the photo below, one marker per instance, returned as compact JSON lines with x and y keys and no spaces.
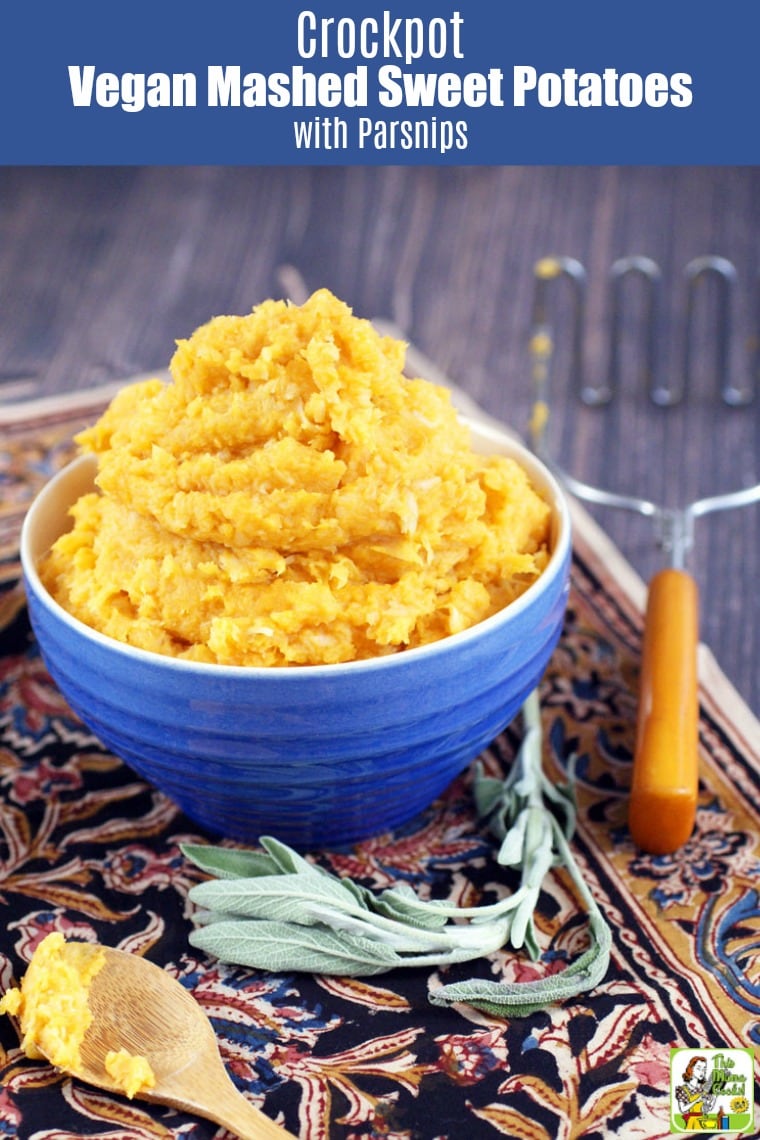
{"x":242,"y":1118}
{"x":223,"y":1104}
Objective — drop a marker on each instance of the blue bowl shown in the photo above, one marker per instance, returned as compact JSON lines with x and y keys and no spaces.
{"x":320,"y":755}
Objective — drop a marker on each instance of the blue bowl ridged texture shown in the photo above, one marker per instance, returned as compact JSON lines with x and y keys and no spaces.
{"x":318,"y":756}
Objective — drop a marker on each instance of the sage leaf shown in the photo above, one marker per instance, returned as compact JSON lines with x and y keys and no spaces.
{"x":287,"y":860}
{"x":517,"y":999}
{"x":399,"y":903}
{"x":279,"y":947}
{"x":521,"y":930}
{"x":297,"y":900}
{"x":439,"y":911}
{"x":512,"y":848}
{"x":281,"y":897}
{"x":487,"y":792}
{"x":467,"y":941}
{"x":228,"y":862}
{"x":406,"y":906}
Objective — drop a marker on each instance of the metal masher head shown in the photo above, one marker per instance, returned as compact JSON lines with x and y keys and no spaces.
{"x":665,"y":387}
{"x":664,"y":784}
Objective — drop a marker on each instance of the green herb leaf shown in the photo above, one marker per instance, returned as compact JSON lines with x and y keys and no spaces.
{"x":308,"y":901}
{"x":285,"y":898}
{"x":228,"y":862}
{"x":517,"y":999}
{"x":280,"y":947}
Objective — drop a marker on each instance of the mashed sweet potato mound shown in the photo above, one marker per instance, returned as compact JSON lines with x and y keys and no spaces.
{"x":290,"y":498}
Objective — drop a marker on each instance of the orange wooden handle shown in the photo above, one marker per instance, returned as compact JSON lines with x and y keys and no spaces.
{"x":663,"y":800}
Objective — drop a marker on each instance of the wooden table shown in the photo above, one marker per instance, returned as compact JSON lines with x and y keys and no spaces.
{"x":102,"y":268}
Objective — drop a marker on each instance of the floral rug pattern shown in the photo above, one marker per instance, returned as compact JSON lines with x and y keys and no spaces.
{"x":88,"y":848}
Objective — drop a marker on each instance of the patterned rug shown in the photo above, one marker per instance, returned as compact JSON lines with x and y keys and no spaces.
{"x":89,"y":849}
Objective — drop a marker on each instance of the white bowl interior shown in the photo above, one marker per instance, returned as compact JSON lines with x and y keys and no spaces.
{"x":48,"y":516}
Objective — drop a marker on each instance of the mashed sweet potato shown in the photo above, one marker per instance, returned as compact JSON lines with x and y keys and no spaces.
{"x":52,"y":1008}
{"x":290,"y":498}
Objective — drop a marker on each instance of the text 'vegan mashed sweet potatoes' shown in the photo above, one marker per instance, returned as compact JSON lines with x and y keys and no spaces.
{"x":292,"y":498}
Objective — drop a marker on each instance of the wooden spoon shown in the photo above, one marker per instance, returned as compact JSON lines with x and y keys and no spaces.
{"x":137,"y":1006}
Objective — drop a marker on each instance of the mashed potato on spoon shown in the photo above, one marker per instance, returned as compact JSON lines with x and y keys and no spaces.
{"x":292,"y":498}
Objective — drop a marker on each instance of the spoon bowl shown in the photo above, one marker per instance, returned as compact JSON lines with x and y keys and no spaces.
{"x":137,"y":1006}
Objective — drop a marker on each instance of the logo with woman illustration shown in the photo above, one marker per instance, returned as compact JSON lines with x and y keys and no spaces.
{"x":711,"y":1090}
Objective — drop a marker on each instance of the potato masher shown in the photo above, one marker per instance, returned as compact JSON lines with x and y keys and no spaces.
{"x":664,"y":786}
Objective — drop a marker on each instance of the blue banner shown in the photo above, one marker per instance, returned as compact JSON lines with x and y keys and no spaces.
{"x":474,"y":82}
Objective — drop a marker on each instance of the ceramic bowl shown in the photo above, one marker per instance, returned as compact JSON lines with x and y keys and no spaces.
{"x":317,"y":756}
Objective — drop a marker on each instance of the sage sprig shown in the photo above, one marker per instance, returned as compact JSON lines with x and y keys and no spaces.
{"x":275,"y":910}
{"x":241,"y":919}
{"x":535,"y":836}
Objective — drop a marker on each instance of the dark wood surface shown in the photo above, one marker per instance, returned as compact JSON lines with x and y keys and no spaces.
{"x":102,"y":268}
